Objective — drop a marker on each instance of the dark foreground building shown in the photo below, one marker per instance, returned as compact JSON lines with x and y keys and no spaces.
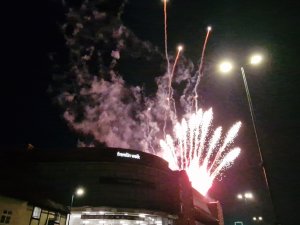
{"x":122,"y":187}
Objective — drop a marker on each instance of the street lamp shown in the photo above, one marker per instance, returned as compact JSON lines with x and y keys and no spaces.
{"x":245,"y":196}
{"x":225,"y":67}
{"x":257,"y":219}
{"x":254,"y":60}
{"x":78,"y":192}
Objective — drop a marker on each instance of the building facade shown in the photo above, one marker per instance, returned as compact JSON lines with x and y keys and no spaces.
{"x":121,"y":187}
{"x":19,"y":212}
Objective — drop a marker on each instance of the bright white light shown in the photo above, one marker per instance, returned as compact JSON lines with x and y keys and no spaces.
{"x":256,"y":59}
{"x":254,"y":218}
{"x":79,"y":191}
{"x":180,"y":48}
{"x":240,"y":196}
{"x":260,"y":218}
{"x":209,"y":28}
{"x":142,"y":215}
{"x":75,"y":215}
{"x":225,"y":67}
{"x":248,"y":195}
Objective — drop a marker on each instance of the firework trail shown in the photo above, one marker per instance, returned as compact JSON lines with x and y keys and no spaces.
{"x":166,"y":35}
{"x":200,"y":69}
{"x":168,"y":67}
{"x":98,"y":103}
{"x":170,"y":92}
{"x":187,"y":150}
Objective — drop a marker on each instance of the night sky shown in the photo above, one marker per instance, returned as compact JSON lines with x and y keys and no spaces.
{"x":31,"y":32}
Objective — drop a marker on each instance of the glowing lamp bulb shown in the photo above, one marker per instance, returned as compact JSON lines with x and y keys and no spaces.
{"x":209,"y":28}
{"x":225,"y":67}
{"x":248,"y":195}
{"x":180,"y":48}
{"x":79,"y":191}
{"x":260,"y":218}
{"x":254,"y":218}
{"x":256,"y":59}
{"x":240,"y":196}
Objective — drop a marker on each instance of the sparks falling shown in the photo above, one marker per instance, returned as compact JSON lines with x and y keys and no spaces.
{"x":199,"y":150}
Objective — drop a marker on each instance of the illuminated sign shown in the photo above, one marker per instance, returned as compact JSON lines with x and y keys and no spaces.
{"x":111,"y":217}
{"x":128,"y":155}
{"x":238,"y":223}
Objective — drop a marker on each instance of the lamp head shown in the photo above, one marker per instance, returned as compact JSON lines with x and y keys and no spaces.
{"x":225,"y":67}
{"x":256,"y":59}
{"x":79,"y":192}
{"x":249,"y":195}
{"x":240,"y":196}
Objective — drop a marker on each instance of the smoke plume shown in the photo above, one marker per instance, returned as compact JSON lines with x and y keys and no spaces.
{"x":96,"y":99}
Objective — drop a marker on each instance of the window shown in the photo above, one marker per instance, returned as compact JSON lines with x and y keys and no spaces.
{"x":5,"y":217}
{"x":36,"y":213}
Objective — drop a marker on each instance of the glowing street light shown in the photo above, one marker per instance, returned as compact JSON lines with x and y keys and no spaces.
{"x":226,"y":67}
{"x":247,"y":195}
{"x":256,"y":59}
{"x":257,"y":219}
{"x":78,"y":192}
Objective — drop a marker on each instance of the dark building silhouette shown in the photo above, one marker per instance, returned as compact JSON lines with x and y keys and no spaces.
{"x":121,"y":187}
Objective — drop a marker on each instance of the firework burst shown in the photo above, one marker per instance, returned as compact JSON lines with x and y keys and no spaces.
{"x":199,"y":149}
{"x":98,"y":102}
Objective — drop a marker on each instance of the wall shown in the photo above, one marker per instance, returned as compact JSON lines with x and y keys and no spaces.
{"x":19,"y":210}
{"x":21,"y":213}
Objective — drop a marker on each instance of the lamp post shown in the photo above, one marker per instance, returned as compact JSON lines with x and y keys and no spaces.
{"x":226,"y":67}
{"x":78,"y":192}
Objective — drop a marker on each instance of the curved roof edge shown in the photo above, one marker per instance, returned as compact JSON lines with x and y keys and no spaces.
{"x":84,"y":154}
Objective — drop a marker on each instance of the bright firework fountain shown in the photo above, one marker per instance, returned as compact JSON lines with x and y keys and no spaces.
{"x":202,"y":155}
{"x":99,"y":103}
{"x":192,"y":148}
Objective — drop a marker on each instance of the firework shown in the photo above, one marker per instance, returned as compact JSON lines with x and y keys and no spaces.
{"x":166,"y":34}
{"x":200,"y":69}
{"x":99,"y":103}
{"x":194,"y":149}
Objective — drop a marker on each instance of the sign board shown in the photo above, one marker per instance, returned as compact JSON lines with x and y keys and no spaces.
{"x":128,"y":155}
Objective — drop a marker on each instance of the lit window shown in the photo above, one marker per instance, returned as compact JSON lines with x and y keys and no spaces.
{"x":36,"y":213}
{"x":5,"y":217}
